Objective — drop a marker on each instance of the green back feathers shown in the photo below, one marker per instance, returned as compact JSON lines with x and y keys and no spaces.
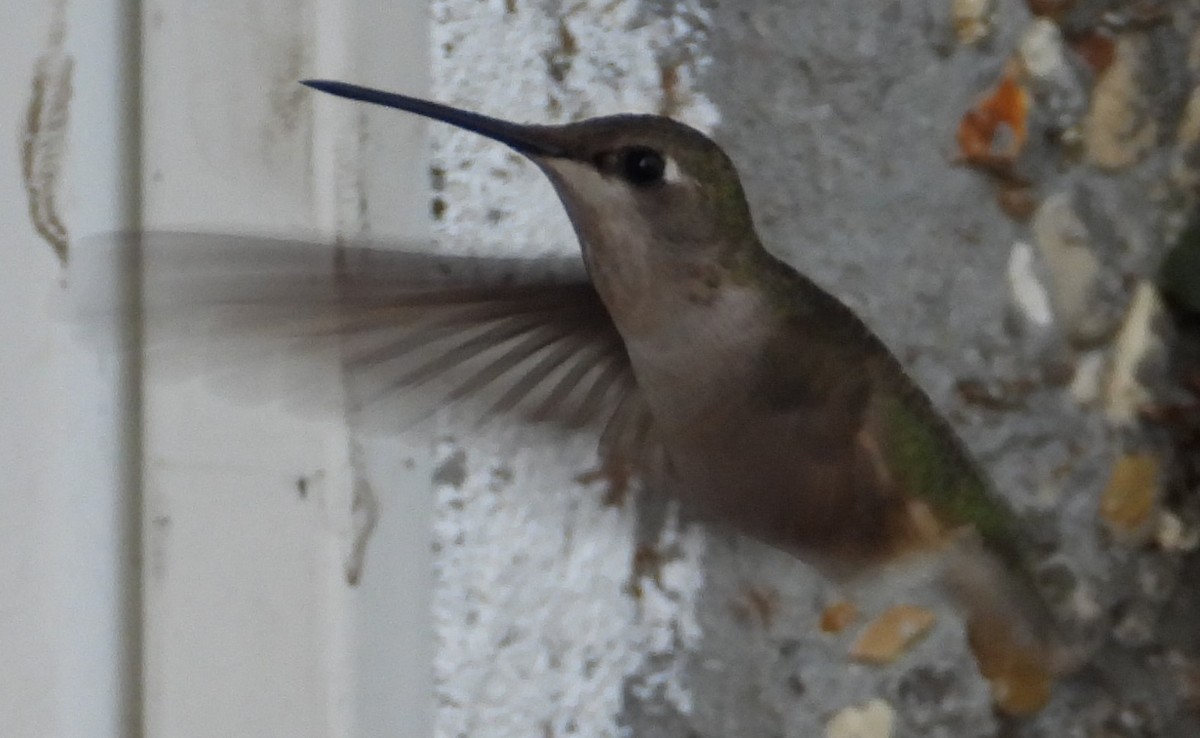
{"x":930,"y":463}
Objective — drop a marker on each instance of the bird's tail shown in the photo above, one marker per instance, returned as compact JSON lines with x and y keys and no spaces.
{"x":1016,"y":640}
{"x":1027,"y":654}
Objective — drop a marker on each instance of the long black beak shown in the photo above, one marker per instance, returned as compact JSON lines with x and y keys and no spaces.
{"x":523,"y":139}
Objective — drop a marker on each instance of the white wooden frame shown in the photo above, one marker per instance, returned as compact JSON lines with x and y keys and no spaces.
{"x":239,"y":619}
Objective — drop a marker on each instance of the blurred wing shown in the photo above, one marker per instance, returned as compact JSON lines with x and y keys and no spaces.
{"x":413,"y":332}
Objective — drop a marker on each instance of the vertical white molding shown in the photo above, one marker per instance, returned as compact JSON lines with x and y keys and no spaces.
{"x":250,"y":626}
{"x":68,"y":540}
{"x":394,"y":647}
{"x":253,"y":627}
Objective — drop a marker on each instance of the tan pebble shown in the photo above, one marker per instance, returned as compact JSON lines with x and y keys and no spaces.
{"x":972,"y":20}
{"x":892,"y":633}
{"x":1173,"y":535}
{"x":1128,"y":502}
{"x":1137,"y":340}
{"x":838,"y":616}
{"x":875,"y":719}
{"x":1118,"y":131}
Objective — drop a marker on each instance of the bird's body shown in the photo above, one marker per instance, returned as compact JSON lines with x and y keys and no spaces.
{"x":759,"y":426}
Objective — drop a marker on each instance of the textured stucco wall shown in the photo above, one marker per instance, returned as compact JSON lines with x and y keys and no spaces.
{"x":537,"y":631}
{"x":842,"y":118}
{"x":560,"y":615}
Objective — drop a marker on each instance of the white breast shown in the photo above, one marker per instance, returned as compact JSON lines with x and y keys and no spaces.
{"x":696,"y":359}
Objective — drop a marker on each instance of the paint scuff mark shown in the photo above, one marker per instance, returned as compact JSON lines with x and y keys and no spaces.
{"x":364,"y":515}
{"x":45,"y":137}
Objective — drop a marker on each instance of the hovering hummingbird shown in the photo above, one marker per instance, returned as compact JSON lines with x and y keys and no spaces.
{"x":726,"y":378}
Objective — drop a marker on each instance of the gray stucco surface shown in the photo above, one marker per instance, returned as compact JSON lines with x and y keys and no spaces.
{"x":841,"y":117}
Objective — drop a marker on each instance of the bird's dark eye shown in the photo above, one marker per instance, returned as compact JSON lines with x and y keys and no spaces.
{"x":641,"y":166}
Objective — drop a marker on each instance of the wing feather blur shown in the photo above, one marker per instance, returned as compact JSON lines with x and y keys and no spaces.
{"x":413,"y":332}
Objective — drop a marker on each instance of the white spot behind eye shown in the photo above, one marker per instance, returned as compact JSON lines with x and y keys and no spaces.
{"x":672,"y":174}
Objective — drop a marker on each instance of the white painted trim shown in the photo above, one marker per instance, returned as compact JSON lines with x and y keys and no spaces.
{"x":68,"y":512}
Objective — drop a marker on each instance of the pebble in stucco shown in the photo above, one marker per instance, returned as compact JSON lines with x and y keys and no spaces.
{"x":972,"y":20}
{"x":1055,"y":82}
{"x":1118,"y":132}
{"x":1064,"y":246}
{"x":875,"y":719}
{"x":1138,"y":342}
{"x":1029,"y":295}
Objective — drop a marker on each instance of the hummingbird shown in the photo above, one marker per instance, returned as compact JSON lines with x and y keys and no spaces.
{"x":715,"y":372}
